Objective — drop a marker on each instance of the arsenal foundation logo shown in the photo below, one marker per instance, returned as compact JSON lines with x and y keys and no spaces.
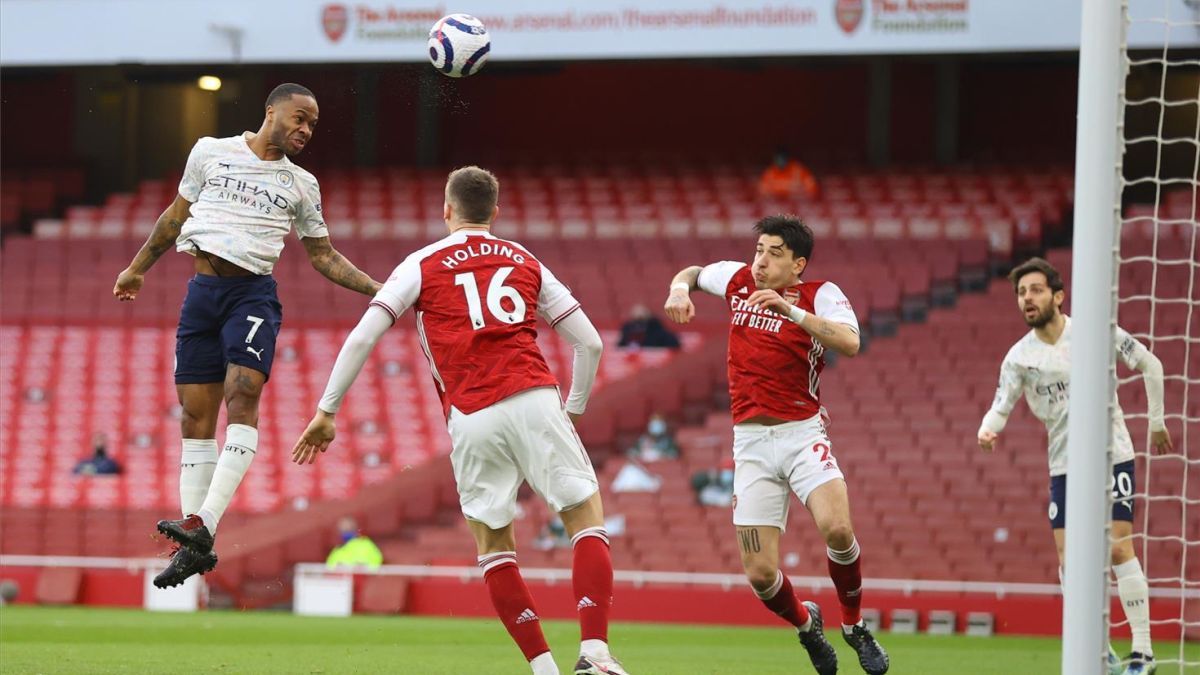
{"x":849,"y":14}
{"x":335,"y":18}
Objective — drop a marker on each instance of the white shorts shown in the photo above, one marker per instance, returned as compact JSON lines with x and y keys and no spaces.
{"x":769,"y":462}
{"x":525,"y":437}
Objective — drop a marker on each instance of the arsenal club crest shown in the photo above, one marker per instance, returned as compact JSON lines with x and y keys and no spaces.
{"x":849,"y":14}
{"x":335,"y":18}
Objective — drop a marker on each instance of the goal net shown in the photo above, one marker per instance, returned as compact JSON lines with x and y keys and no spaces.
{"x":1157,"y":299}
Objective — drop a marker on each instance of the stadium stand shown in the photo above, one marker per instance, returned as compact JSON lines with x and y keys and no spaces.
{"x":902,"y":244}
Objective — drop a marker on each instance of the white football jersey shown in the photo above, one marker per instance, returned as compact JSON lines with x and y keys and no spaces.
{"x":1043,"y":373}
{"x":243,"y":206}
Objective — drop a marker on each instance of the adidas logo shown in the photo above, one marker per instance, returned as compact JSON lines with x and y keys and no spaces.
{"x":585,"y":603}
{"x":527,"y":616}
{"x":743,"y":290}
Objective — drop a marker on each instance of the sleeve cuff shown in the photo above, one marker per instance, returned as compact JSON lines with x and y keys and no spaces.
{"x":384,"y":307}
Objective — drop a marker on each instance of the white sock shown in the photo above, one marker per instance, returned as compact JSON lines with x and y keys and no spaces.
{"x":196,"y":466}
{"x":240,"y":443}
{"x":596,"y":649}
{"x":1135,"y":599}
{"x":543,"y":664}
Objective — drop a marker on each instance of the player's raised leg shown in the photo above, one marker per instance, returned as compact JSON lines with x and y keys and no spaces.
{"x":592,"y":583}
{"x":200,"y":405}
{"x":510,"y":596}
{"x":759,"y":546}
{"x":829,"y":505}
{"x":242,"y":389}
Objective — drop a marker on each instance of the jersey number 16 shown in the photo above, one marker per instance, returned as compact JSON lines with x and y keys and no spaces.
{"x":497,"y":291}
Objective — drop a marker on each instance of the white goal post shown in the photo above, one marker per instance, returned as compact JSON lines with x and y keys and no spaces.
{"x":1166,"y":235}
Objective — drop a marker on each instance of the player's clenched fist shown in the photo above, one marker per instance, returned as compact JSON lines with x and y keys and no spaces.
{"x":987,"y":440}
{"x":679,"y":307}
{"x":769,"y":300}
{"x":128,"y":284}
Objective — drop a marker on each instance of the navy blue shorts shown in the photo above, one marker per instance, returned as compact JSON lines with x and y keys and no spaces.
{"x":226,"y":320}
{"x":1121,"y":485}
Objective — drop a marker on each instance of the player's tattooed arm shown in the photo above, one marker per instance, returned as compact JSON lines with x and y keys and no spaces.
{"x":689,"y":276}
{"x":335,"y":267}
{"x":162,"y":239}
{"x":679,"y":307}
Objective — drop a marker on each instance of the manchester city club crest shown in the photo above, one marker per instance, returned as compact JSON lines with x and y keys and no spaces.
{"x":284,"y":178}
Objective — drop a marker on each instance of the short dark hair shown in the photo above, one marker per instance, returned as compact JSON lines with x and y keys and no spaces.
{"x":285,"y":92}
{"x":473,"y":192}
{"x":795,"y":234}
{"x":1053,"y":278}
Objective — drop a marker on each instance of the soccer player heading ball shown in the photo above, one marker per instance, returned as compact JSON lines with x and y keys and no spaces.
{"x":477,"y":299}
{"x":779,"y":329}
{"x":239,"y":198}
{"x":1039,"y":366}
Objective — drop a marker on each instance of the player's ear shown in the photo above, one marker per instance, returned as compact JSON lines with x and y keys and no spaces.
{"x":495,"y":214}
{"x":447,"y":212}
{"x":1059,"y":298}
{"x":799,"y":264}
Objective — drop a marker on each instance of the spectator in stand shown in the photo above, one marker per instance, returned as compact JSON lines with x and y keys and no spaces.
{"x":553,"y":535}
{"x":356,"y":549}
{"x":643,"y":329}
{"x":99,"y":464}
{"x":715,"y":486}
{"x":787,"y":178}
{"x":656,"y":443}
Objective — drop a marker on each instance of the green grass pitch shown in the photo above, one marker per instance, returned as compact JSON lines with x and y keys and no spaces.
{"x":85,"y":640}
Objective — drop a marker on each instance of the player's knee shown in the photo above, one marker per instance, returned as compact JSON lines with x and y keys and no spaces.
{"x":1122,"y":552}
{"x":197,"y":423}
{"x":839,"y":536}
{"x":761,"y":573}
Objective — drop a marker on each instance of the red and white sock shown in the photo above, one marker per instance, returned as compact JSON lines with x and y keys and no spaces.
{"x":513,"y":602}
{"x":846,"y":573}
{"x":781,"y":599}
{"x":592,"y":582}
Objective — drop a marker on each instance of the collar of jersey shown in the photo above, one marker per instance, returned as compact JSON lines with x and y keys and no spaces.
{"x":283,"y":161}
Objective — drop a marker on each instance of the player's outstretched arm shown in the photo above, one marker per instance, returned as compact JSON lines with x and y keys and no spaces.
{"x":679,"y":307}
{"x":335,"y":267}
{"x":355,"y":351}
{"x":162,"y":238}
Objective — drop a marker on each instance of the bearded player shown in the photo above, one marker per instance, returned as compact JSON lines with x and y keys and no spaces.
{"x":1039,"y":366}
{"x":779,"y":329}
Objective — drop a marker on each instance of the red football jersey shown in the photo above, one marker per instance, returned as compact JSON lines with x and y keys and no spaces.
{"x":477,"y":299}
{"x":774,"y":364}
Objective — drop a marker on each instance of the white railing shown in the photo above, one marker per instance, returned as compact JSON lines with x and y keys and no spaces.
{"x":725,"y":581}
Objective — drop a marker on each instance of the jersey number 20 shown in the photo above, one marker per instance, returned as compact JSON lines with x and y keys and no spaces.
{"x":497,"y":291}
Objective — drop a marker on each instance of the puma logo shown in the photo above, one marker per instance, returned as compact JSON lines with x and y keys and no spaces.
{"x":257,"y":354}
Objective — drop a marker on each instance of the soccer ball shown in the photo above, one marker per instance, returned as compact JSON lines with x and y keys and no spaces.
{"x":458,"y":45}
